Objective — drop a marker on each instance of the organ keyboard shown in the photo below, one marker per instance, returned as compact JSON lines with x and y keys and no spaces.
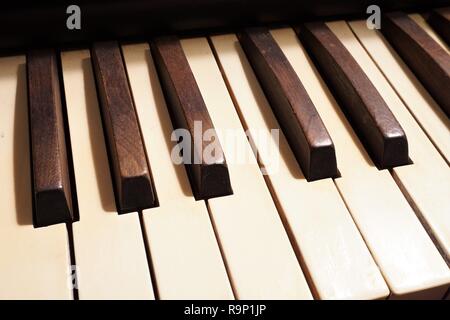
{"x":351,"y":200}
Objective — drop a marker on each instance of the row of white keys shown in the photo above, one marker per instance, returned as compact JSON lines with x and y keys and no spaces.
{"x":34,"y":263}
{"x":427,"y":181}
{"x":408,"y":260}
{"x":331,"y":247}
{"x":420,"y":103}
{"x":185,"y":255}
{"x":260,"y":259}
{"x":110,"y":255}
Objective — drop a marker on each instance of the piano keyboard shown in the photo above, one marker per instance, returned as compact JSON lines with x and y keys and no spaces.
{"x":357,"y":206}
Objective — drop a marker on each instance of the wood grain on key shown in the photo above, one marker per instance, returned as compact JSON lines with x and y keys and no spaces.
{"x":375,"y":124}
{"x":131,"y":173}
{"x":209,"y":177}
{"x":426,"y":58}
{"x":51,"y":181}
{"x":439,"y":19}
{"x":302,"y":125}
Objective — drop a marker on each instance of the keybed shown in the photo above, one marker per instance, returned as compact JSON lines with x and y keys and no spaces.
{"x":329,"y":178}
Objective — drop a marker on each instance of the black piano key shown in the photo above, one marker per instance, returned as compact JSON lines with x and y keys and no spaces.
{"x":299,"y":119}
{"x":51,"y":180}
{"x":133,"y":185}
{"x":373,"y":121}
{"x":209,"y":177}
{"x":424,"y":56}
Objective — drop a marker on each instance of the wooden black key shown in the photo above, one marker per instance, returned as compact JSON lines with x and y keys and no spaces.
{"x":373,"y":121}
{"x":424,"y":56}
{"x":51,"y":180}
{"x":439,"y":20}
{"x":209,"y":177}
{"x":298,"y":118}
{"x":130,"y":169}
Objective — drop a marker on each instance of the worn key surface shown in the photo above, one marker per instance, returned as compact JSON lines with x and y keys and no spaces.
{"x":131,"y":172}
{"x":209,"y":175}
{"x":302,"y":125}
{"x":439,"y":20}
{"x":426,"y":58}
{"x":375,"y":124}
{"x":51,"y":182}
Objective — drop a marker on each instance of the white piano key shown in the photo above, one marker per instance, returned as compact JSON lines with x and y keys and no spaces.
{"x":109,"y":248}
{"x":331,"y":247}
{"x":421,"y":105}
{"x":408,"y":260}
{"x":426,"y":182}
{"x":260,"y":259}
{"x":34,"y":263}
{"x":185,"y":255}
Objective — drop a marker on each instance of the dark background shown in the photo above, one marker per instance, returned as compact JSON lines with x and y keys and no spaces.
{"x":42,"y":23}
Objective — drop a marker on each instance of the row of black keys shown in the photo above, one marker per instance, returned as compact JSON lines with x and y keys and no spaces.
{"x":374,"y":123}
